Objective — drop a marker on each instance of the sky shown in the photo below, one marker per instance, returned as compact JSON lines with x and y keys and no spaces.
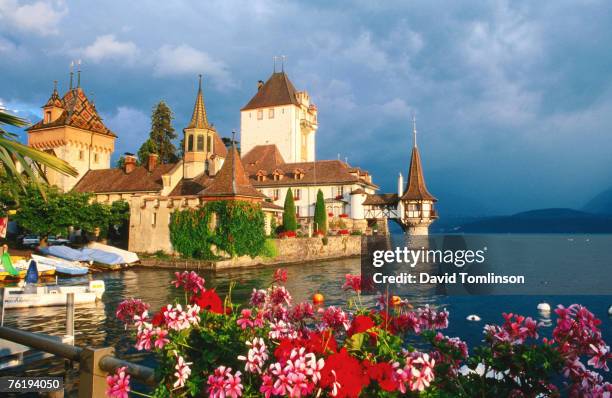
{"x":513,"y":100}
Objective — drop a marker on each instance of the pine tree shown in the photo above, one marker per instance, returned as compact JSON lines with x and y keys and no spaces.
{"x":145,"y":149}
{"x":289,"y":219}
{"x":320,"y":215}
{"x":162,"y":133}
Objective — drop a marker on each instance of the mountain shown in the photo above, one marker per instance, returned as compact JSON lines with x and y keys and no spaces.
{"x":601,"y":203}
{"x":541,"y":221}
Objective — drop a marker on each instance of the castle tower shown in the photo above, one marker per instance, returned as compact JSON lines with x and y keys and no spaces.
{"x":416,"y":203}
{"x":72,"y":130}
{"x":279,"y":114}
{"x":204,"y":150}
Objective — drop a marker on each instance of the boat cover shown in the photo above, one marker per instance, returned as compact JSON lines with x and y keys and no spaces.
{"x":128,"y":256}
{"x":66,"y":253}
{"x":7,"y":264}
{"x":32,"y":274}
{"x":102,"y":257}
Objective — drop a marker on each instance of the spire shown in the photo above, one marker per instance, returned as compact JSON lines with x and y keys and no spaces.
{"x":416,"y":189}
{"x":71,"y":73}
{"x":78,"y":73}
{"x":199,"y":119}
{"x":55,"y":99}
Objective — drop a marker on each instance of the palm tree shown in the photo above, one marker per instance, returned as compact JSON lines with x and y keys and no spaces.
{"x":14,"y":156}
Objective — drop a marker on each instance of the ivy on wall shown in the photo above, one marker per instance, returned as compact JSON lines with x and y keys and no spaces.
{"x":234,"y":227}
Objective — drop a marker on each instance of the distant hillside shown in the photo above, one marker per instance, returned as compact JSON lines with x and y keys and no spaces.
{"x":542,"y":221}
{"x":601,"y":203}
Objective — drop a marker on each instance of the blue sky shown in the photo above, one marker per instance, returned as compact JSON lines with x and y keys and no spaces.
{"x":513,"y":99}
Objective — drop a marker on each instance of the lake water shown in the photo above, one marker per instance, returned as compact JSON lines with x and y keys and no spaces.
{"x":97,"y":326}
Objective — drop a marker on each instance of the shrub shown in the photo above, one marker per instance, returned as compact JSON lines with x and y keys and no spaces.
{"x":356,"y":232}
{"x":320,"y":216}
{"x":269,"y":249}
{"x":289,"y":218}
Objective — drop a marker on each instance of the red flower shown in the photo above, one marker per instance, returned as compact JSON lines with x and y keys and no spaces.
{"x":158,"y":319}
{"x":280,"y":275}
{"x":362,"y":323}
{"x":283,"y":351}
{"x":382,"y":373}
{"x":209,"y":300}
{"x":345,"y":370}
{"x":321,"y":342}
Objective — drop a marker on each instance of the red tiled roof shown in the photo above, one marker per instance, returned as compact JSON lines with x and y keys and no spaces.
{"x":278,"y":90}
{"x":78,"y":112}
{"x":116,"y":180}
{"x":416,"y":188}
{"x":389,"y":199}
{"x":191,"y":186}
{"x":231,"y":180}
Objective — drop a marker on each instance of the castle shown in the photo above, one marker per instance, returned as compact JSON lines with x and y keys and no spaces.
{"x":278,"y":129}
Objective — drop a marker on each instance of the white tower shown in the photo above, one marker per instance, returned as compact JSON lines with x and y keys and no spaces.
{"x":280,"y":115}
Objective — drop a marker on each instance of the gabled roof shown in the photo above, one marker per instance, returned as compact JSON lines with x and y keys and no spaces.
{"x":198,"y":118}
{"x":231,"y":180}
{"x":117,"y":180}
{"x":278,"y":90}
{"x":78,"y":112}
{"x":416,"y":188}
{"x":55,"y":99}
{"x":263,"y":157}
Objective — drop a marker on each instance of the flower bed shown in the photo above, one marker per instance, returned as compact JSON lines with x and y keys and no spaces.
{"x":272,"y":347}
{"x":343,"y":215}
{"x":343,"y":232}
{"x":287,"y":234}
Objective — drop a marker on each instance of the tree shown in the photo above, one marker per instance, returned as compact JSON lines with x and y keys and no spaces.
{"x":320,"y":215}
{"x":289,"y":218}
{"x":120,"y":164}
{"x":15,"y":156}
{"x":145,"y":149}
{"x":162,"y":133}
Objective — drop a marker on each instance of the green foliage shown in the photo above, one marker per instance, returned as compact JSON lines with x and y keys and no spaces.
{"x":162,"y":133}
{"x":269,"y":249}
{"x":145,"y":149}
{"x":120,"y":164}
{"x":55,"y":212}
{"x":320,"y":215}
{"x":239,"y":230}
{"x":289,"y":218}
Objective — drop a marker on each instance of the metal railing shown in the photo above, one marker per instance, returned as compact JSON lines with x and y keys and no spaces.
{"x":94,"y":363}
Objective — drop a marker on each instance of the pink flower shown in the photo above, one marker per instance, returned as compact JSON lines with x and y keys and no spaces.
{"x":281,"y":329}
{"x":245,"y":319}
{"x":143,"y":338}
{"x":161,"y":338}
{"x":297,"y":377}
{"x":600,"y":353}
{"x":190,"y":281}
{"x":258,"y":297}
{"x":301,"y":311}
{"x":224,"y":384}
{"x":280,"y":276}
{"x":430,"y":319}
{"x":182,"y":372}
{"x":279,"y":295}
{"x":127,"y":309}
{"x":118,"y":384}
{"x":335,"y":318}
{"x":256,"y":357}
{"x":352,"y":282}
{"x":417,"y":374}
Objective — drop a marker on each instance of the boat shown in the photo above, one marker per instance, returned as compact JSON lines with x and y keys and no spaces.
{"x":66,"y":253}
{"x":46,"y":296}
{"x":7,"y":271}
{"x":128,"y":256}
{"x":44,"y":270}
{"x":64,"y":267}
{"x":104,"y":259}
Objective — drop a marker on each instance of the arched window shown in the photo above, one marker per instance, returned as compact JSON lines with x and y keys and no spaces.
{"x":208,"y":144}
{"x":190,"y":142}
{"x":200,"y":143}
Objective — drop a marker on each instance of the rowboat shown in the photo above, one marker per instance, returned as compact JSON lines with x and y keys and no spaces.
{"x":45,"y":296}
{"x":44,"y":270}
{"x":64,"y":267}
{"x":128,"y":256}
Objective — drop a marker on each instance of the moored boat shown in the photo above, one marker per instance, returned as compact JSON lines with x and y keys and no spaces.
{"x":64,"y":267}
{"x":45,"y":296}
{"x":44,"y":270}
{"x":128,"y":256}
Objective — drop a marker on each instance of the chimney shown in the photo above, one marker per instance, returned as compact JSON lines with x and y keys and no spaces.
{"x":152,"y":162}
{"x":130,"y":163}
{"x":260,"y":85}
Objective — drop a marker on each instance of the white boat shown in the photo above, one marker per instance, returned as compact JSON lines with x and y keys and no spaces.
{"x":62,"y":266}
{"x":128,"y":256}
{"x":43,"y":269}
{"x":45,"y":296}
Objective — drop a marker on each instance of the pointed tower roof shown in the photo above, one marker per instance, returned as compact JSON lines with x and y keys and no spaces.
{"x":231,"y":180}
{"x":277,"y":90}
{"x":55,"y":99}
{"x":198,"y":118}
{"x":416,"y":188}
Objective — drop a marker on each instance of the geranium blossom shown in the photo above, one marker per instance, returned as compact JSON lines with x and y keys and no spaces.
{"x":352,"y":282}
{"x":256,"y":356}
{"x":296,"y":377}
{"x":118,"y":385}
{"x":182,"y":372}
{"x":280,"y":276}
{"x":335,"y":318}
{"x":417,"y":373}
{"x":222,"y":383}
{"x":190,"y":281}
{"x":160,"y":338}
{"x":127,"y":309}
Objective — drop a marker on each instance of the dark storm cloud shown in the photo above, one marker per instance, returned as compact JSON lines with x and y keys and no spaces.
{"x":513,"y":100}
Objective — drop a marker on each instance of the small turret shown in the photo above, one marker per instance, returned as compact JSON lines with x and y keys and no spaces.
{"x":54,"y":106}
{"x":418,"y":203}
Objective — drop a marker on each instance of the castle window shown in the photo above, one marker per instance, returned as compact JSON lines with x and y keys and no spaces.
{"x":275,"y":194}
{"x":200,"y":142}
{"x":261,"y":175}
{"x":209,"y":144}
{"x":190,"y":143}
{"x":260,"y":114}
{"x":95,"y":158}
{"x":47,"y":116}
{"x":297,"y":194}
{"x":154,"y":219}
{"x":271,"y":113}
{"x":81,"y":155}
{"x":277,"y":175}
{"x":207,"y":166}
